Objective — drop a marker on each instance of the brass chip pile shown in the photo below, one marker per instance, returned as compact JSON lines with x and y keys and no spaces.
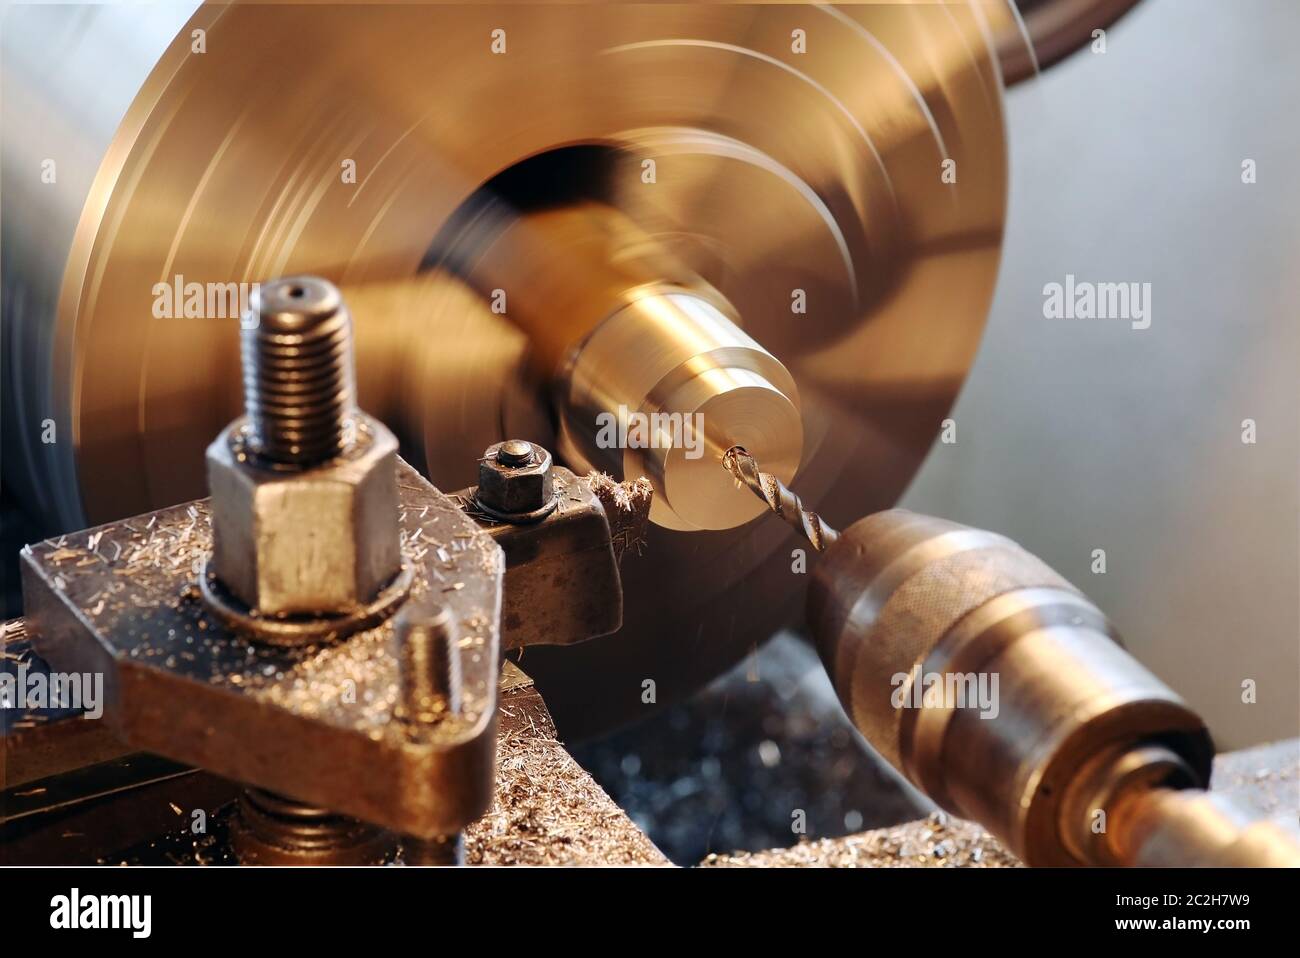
{"x":548,"y":811}
{"x":938,"y":841}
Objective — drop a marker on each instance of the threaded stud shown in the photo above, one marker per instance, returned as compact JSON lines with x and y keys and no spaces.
{"x":299,"y":380}
{"x":428,"y":663}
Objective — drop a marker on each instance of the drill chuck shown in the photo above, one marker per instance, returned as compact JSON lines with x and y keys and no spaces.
{"x":988,"y":680}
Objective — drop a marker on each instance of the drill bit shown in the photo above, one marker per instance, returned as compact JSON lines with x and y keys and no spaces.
{"x":779,"y":499}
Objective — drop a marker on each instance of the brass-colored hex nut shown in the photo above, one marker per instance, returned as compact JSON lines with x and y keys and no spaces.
{"x":515,"y":484}
{"x":320,"y":540}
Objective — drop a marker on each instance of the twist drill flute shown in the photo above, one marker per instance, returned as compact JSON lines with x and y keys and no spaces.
{"x":779,"y":499}
{"x":1083,"y":757}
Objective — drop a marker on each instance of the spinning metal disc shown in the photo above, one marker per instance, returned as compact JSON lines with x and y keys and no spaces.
{"x":838,"y":174}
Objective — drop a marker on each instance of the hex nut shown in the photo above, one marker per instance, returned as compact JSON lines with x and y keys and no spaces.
{"x":508,"y":489}
{"x":322,"y":540}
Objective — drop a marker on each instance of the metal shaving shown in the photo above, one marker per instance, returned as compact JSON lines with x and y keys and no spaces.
{"x":548,"y":811}
{"x":938,"y":841}
{"x":627,"y":506}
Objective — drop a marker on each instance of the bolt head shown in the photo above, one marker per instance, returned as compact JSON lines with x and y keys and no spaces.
{"x":321,"y":540}
{"x":512,"y":480}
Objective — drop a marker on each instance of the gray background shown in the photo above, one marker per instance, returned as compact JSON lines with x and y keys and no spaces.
{"x":1083,"y":434}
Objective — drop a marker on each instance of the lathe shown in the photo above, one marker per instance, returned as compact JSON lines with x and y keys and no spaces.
{"x":608,"y":281}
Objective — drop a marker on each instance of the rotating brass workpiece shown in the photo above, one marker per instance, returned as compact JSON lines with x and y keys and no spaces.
{"x":790,"y":222}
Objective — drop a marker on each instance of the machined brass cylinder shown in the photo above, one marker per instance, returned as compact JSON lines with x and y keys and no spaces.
{"x":663,"y":388}
{"x":650,"y":369}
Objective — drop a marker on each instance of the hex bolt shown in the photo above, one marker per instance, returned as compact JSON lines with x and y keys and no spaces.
{"x":428,"y":664}
{"x":305,"y":538}
{"x":299,"y":390}
{"x":515,"y":483}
